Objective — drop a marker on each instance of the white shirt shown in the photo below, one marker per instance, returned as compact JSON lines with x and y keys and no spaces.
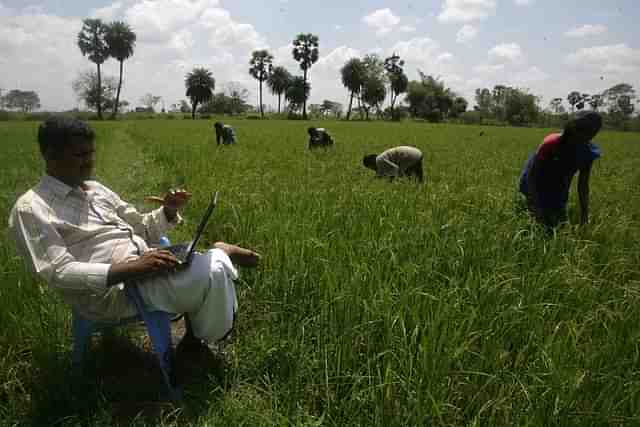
{"x":70,"y":237}
{"x":395,"y":161}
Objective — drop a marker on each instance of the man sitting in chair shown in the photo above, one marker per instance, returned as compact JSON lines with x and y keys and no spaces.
{"x":87,"y":243}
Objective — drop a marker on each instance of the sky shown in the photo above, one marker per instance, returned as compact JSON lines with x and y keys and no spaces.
{"x":550,"y":47}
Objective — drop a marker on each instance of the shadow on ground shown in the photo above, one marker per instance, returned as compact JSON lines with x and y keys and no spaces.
{"x":121,"y":383}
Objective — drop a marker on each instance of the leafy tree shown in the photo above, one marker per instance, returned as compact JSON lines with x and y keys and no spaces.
{"x":149,"y":101}
{"x":353,"y":76}
{"x":92,"y":43}
{"x":238,"y":96}
{"x":297,"y":93}
{"x":430,"y":98}
{"x":596,"y":101}
{"x":574,"y":98}
{"x":93,"y":91}
{"x":499,"y":99}
{"x":556,"y":104}
{"x":374,"y":77}
{"x":200,"y":84}
{"x":120,"y":43}
{"x":521,"y":107}
{"x":459,"y":106}
{"x":398,"y":81}
{"x":305,"y":52}
{"x":184,"y":106}
{"x":261,"y":64}
{"x":484,"y":102}
{"x":278,"y":82}
{"x":373,"y":94}
{"x":613,"y":96}
{"x":23,"y":100}
{"x":331,"y":107}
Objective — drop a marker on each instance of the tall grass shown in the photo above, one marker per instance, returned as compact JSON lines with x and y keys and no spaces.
{"x":377,"y":303}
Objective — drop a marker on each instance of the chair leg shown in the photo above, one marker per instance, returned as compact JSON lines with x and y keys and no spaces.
{"x":159,"y":328}
{"x":82,"y":329}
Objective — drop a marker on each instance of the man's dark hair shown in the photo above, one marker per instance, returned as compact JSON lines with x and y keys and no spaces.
{"x":369,"y":161}
{"x":217,"y":125}
{"x":311,"y":131}
{"x":58,"y":131}
{"x":584,"y":122}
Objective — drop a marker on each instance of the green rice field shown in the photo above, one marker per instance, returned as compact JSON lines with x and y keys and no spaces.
{"x":377,"y":302}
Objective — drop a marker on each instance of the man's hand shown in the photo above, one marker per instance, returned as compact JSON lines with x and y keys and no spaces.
{"x":156,"y":261}
{"x":173,"y":201}
{"x":151,"y":262}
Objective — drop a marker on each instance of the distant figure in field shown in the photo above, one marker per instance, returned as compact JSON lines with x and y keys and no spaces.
{"x":319,"y":137}
{"x":546,"y":178}
{"x":396,"y":162}
{"x":224,"y":133}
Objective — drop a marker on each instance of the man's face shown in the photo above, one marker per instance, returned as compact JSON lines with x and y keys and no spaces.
{"x":74,"y":164}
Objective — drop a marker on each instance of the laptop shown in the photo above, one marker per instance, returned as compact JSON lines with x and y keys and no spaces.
{"x":184,"y":251}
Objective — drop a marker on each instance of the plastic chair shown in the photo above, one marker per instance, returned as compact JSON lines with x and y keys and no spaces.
{"x":159,"y":329}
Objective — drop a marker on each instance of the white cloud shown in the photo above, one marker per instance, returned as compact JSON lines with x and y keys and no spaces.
{"x":426,"y":55}
{"x":34,"y":43}
{"x":530,"y":75}
{"x":586,"y":30}
{"x":382,"y":20}
{"x":524,"y":2}
{"x":611,"y":59}
{"x":107,"y":13}
{"x":157,"y":20}
{"x":466,"y":10}
{"x":506,"y":52}
{"x":488,"y":69}
{"x":466,"y":34}
{"x":407,"y":29}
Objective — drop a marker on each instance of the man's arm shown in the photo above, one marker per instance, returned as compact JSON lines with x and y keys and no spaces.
{"x":532,"y":189}
{"x":151,"y":262}
{"x":387,"y":168}
{"x":583,"y":193}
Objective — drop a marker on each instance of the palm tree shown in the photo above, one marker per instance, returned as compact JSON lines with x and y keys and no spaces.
{"x":200,"y":84}
{"x":353,"y":76}
{"x":261,"y":64}
{"x":278,"y":82}
{"x":305,"y":51}
{"x":91,"y":41}
{"x":120,"y":41}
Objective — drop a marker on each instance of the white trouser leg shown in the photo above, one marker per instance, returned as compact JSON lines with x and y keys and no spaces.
{"x":205,"y":291}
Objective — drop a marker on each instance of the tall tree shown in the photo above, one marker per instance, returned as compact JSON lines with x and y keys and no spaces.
{"x":373,"y":94}
{"x":121,"y":42}
{"x":278,"y":82}
{"x":92,"y":43}
{"x":459,"y":106}
{"x":261,"y":66}
{"x":86,"y":88}
{"x":574,"y":98}
{"x":23,"y":100}
{"x":555,"y":105}
{"x":484,"y":101}
{"x":305,"y":52}
{"x":297,"y":93}
{"x":596,"y":101}
{"x":398,"y":80}
{"x":200,"y":84}
{"x":353,"y":76}
{"x":150,"y":100}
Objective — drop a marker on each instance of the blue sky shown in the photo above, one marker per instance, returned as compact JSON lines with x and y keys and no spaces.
{"x":549,"y":47}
